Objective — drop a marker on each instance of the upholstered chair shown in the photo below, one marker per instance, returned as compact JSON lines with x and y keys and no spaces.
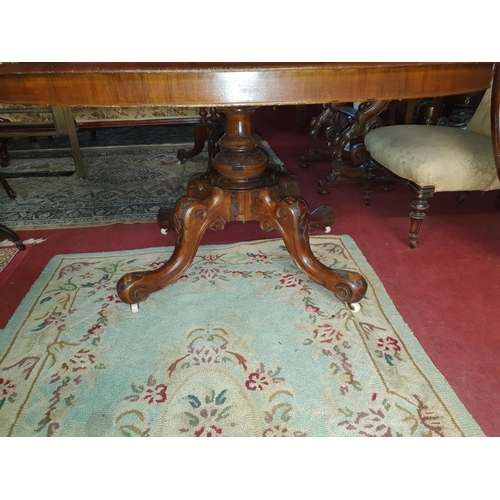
{"x":433,"y":159}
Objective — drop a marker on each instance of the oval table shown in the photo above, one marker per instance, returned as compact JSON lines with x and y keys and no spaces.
{"x":240,"y":184}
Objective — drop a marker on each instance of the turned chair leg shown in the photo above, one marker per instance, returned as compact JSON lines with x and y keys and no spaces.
{"x":369,"y":177}
{"x":417,"y":215}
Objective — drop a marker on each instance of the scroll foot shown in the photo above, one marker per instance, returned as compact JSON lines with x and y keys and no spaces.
{"x":190,"y":219}
{"x":291,"y":219}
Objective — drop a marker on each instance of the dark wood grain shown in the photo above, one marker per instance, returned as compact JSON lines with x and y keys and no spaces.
{"x":218,"y":84}
{"x":495,"y":116}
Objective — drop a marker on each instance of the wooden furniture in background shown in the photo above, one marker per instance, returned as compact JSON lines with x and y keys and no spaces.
{"x":340,"y":121}
{"x":60,"y":124}
{"x":243,"y":186}
{"x":432,"y":159}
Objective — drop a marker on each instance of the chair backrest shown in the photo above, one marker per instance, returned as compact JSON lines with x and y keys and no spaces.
{"x":481,"y":120}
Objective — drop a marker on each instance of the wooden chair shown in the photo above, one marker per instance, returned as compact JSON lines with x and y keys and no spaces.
{"x":433,"y":159}
{"x":61,"y":123}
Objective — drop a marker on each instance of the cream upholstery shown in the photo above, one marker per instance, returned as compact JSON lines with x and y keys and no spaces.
{"x":433,"y":158}
{"x":450,"y":159}
{"x":481,"y":121}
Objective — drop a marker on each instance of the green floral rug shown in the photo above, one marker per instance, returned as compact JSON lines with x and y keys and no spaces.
{"x":243,"y":344}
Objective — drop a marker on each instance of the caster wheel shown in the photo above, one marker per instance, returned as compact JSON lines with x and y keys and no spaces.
{"x":354,"y":307}
{"x":134,"y":308}
{"x":327,"y":229}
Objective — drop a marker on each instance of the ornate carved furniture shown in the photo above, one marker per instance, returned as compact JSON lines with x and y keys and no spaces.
{"x":340,"y":121}
{"x":435,"y":159}
{"x":242,"y":186}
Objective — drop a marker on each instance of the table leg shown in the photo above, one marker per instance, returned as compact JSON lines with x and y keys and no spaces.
{"x":242,"y":187}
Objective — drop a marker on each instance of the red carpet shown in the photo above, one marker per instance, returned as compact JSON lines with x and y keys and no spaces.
{"x":447,"y":290}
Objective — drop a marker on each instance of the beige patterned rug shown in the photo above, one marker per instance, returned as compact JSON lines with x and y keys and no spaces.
{"x":123,"y":185}
{"x":243,"y":344}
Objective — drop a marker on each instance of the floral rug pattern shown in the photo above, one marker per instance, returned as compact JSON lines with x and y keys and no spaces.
{"x":243,"y":344}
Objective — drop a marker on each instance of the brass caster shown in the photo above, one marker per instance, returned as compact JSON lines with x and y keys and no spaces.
{"x":327,"y":229}
{"x":134,"y":308}
{"x":164,"y":230}
{"x":354,"y":307}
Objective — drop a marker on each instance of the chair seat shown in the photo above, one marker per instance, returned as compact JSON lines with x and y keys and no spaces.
{"x":450,"y":159}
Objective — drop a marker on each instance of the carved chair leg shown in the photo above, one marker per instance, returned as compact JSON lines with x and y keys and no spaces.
{"x":417,"y":215}
{"x":291,"y":220}
{"x":369,"y":176}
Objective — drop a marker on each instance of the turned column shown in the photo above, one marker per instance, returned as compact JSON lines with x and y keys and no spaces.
{"x":240,"y":161}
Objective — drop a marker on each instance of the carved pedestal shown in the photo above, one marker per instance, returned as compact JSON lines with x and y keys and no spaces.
{"x":242,"y":187}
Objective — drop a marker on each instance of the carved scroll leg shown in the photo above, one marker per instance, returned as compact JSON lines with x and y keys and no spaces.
{"x":201,"y":132}
{"x":291,"y":219}
{"x":315,"y":151}
{"x":191,"y":219}
{"x":322,"y":217}
{"x":196,"y":189}
{"x":289,"y":185}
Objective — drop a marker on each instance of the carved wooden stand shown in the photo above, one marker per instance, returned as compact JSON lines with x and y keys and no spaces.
{"x":242,"y":187}
{"x":343,"y":127}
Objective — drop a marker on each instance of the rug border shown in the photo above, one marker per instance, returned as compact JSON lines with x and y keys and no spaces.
{"x":462,"y":415}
